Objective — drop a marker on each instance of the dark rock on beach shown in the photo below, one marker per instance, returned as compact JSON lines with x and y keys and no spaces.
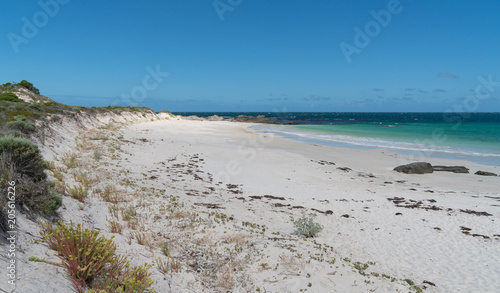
{"x":454,"y":169}
{"x":423,"y":168}
{"x":484,"y":173}
{"x":415,"y":168}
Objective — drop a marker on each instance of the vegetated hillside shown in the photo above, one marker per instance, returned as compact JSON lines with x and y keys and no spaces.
{"x":21,"y":162}
{"x":25,"y":117}
{"x":24,"y":112}
{"x":24,"y":99}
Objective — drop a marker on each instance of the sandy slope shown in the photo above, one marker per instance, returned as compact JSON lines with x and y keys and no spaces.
{"x":232,"y":169}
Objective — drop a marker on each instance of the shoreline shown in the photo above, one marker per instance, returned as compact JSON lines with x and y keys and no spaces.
{"x":421,"y":152}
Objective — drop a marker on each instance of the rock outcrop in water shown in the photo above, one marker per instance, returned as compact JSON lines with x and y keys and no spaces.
{"x":253,"y":119}
{"x":239,"y":118}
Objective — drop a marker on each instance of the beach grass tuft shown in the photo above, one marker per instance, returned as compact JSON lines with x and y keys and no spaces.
{"x":78,"y":192}
{"x":70,"y":160}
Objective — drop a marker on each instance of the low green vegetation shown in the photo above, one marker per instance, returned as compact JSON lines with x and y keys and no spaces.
{"x":21,"y":124}
{"x":24,"y":156}
{"x":20,"y":159}
{"x":78,"y":192}
{"x":21,"y":162}
{"x":92,"y":262}
{"x":29,"y":86}
{"x":307,"y":227}
{"x":13,"y":87}
{"x":22,"y":166}
{"x":10,"y":97}
{"x":11,"y":105}
{"x":52,"y":201}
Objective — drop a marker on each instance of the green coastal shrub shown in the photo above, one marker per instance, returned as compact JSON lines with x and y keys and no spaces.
{"x":22,"y":118}
{"x":7,"y":86}
{"x":21,"y":161}
{"x":17,"y":108}
{"x":25,"y":155}
{"x":83,"y":253}
{"x":26,"y":127}
{"x":29,"y":86}
{"x":34,"y":107}
{"x":12,"y":133}
{"x":91,"y":260}
{"x":51,"y":202}
{"x":307,"y":227}
{"x":10,"y":97}
{"x":51,"y":103}
{"x":33,"y":196}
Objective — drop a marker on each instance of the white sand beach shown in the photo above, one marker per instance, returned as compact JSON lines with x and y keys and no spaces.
{"x":419,"y":244}
{"x":234,"y":191}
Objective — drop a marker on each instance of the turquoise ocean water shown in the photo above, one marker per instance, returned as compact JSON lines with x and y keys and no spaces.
{"x":470,"y":136}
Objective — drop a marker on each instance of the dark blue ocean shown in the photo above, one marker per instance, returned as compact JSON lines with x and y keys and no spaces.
{"x":470,"y":136}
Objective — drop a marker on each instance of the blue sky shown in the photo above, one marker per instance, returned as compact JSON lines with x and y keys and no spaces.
{"x":257,"y":55}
